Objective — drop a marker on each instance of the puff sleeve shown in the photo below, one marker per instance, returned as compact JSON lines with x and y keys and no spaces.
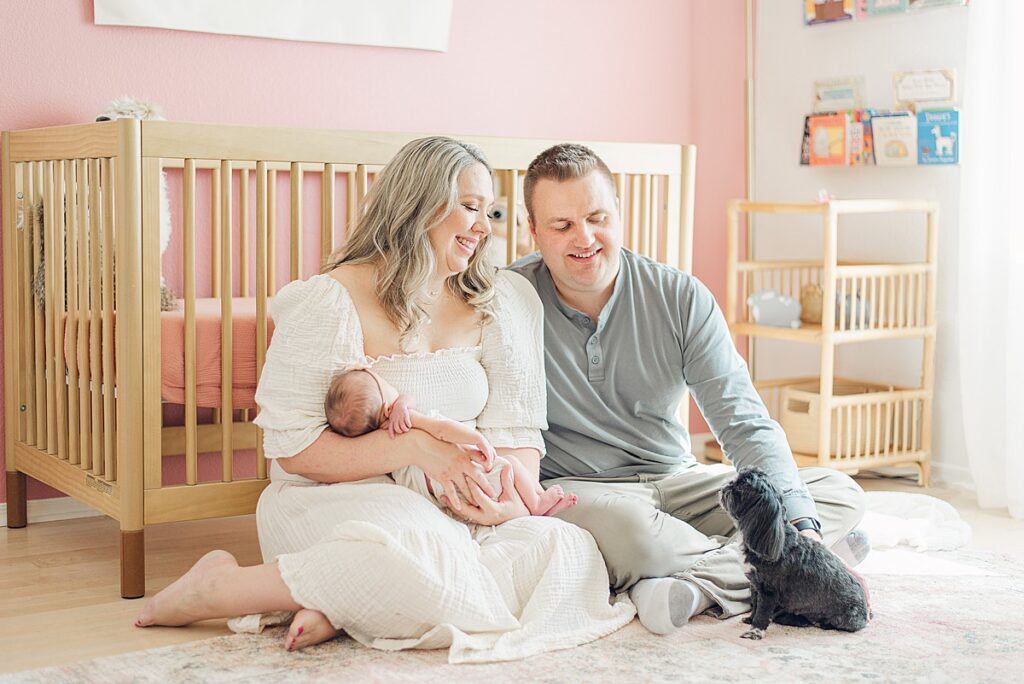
{"x":316,"y":334}
{"x":512,"y":354}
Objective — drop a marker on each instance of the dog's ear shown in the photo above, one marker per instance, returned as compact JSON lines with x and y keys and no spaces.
{"x":764,"y":527}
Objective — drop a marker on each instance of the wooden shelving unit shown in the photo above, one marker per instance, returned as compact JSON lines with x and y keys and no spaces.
{"x":835,"y":422}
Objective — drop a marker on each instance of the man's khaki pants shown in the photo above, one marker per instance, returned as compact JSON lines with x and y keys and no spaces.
{"x":673,"y":525}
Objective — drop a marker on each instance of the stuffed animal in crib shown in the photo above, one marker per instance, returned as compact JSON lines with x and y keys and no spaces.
{"x":768,"y":307}
{"x":497,"y":245}
{"x":123,"y":107}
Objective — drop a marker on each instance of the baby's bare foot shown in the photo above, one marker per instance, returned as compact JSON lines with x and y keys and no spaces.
{"x":308,"y":628}
{"x":184,"y":601}
{"x":554,"y":500}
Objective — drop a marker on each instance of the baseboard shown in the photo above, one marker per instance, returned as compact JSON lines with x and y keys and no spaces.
{"x":952,"y":475}
{"x":45,"y":510}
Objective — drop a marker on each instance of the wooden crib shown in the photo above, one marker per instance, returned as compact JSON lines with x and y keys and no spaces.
{"x":85,"y":391}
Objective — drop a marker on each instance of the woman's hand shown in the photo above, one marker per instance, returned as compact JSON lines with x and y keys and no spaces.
{"x":489,"y":512}
{"x":453,"y":466}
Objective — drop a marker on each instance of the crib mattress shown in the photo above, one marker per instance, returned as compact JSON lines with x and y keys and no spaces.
{"x":208,"y":356}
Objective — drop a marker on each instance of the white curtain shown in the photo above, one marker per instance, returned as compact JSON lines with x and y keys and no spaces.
{"x":991,"y":254}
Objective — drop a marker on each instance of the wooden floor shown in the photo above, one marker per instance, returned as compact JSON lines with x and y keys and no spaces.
{"x":59,"y":599}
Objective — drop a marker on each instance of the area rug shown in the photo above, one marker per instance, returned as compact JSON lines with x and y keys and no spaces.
{"x":939,"y":617}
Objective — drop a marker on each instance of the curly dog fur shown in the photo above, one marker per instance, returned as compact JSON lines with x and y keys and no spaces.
{"x":793,"y":580}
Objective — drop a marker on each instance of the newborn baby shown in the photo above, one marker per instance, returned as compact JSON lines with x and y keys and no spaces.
{"x":360,"y":401}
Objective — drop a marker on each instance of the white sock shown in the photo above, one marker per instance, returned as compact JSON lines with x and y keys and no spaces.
{"x":665,"y":604}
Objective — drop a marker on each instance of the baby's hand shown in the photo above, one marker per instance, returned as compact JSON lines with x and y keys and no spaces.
{"x":399,"y":419}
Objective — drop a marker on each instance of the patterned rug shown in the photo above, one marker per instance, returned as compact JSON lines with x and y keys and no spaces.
{"x":947,"y":616}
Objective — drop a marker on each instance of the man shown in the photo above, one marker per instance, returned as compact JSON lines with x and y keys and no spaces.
{"x":624,"y":336}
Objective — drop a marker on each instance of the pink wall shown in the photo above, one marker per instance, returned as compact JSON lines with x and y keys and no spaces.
{"x":656,"y":71}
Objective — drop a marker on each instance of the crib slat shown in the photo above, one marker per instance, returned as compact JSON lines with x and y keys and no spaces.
{"x":84,"y":245}
{"x":69,"y":348}
{"x":634,"y":213}
{"x":55,"y":278}
{"x":327,"y":212}
{"x":645,"y":215}
{"x":512,"y":222}
{"x":188,"y":215}
{"x":28,"y":307}
{"x":261,"y":296}
{"x":296,"y":241}
{"x":99,"y":465}
{"x":656,"y":218}
{"x":215,"y":232}
{"x":620,"y":191}
{"x":674,"y":245}
{"x":243,"y":231}
{"x":362,"y":185}
{"x":110,"y":463}
{"x":39,"y":321}
{"x":152,"y":414}
{"x":271,"y":233}
{"x":351,"y":203}
{"x":226,"y":342}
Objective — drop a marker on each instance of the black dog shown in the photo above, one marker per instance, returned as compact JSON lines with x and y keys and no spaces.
{"x":793,"y":580}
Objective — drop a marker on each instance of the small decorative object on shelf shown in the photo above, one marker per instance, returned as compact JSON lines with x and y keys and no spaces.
{"x":836,"y":422}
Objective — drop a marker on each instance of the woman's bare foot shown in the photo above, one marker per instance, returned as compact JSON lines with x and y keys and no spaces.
{"x":185,"y":600}
{"x":308,"y":628}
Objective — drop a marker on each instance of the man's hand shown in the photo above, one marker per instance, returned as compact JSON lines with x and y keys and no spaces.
{"x":813,"y":534}
{"x":489,"y":512}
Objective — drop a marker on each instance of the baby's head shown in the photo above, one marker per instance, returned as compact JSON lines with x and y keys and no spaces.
{"x":354,"y":403}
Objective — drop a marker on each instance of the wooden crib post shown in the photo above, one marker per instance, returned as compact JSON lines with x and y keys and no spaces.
{"x":130,"y":414}
{"x":16,"y":503}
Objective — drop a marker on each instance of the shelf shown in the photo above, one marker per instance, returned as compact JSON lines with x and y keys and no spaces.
{"x":814,"y":334}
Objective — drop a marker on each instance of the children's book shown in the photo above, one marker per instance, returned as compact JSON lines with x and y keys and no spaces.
{"x":878,"y":7}
{"x":926,"y":4}
{"x":805,"y":144}
{"x":864,"y":116}
{"x":824,"y":11}
{"x":829,"y":139}
{"x":895,"y":139}
{"x":855,"y":132}
{"x":937,"y":133}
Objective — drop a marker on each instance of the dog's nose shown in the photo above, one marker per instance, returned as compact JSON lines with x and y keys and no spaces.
{"x":103,"y":118}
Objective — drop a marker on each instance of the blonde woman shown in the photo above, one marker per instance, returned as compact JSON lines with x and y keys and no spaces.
{"x":411,"y":295}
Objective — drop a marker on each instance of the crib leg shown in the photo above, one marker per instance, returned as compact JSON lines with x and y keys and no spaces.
{"x":133,"y":564}
{"x":17,"y":513}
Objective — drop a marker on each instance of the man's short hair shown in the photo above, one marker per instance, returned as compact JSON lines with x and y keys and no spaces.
{"x":562,"y":162}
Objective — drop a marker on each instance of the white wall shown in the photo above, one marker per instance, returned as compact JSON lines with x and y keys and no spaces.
{"x":789,"y":58}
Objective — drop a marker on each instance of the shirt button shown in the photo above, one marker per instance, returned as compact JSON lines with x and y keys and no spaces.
{"x":595,"y":360}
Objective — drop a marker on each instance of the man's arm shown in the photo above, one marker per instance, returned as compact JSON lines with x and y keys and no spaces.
{"x":720,"y":382}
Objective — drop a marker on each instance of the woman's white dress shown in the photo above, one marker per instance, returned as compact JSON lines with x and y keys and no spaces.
{"x":385,"y":563}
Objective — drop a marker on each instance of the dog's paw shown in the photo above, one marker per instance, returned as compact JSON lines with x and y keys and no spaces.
{"x":754,"y":633}
{"x":747,"y":620}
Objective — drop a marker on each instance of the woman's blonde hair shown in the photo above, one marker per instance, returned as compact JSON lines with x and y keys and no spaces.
{"x":414,"y":192}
